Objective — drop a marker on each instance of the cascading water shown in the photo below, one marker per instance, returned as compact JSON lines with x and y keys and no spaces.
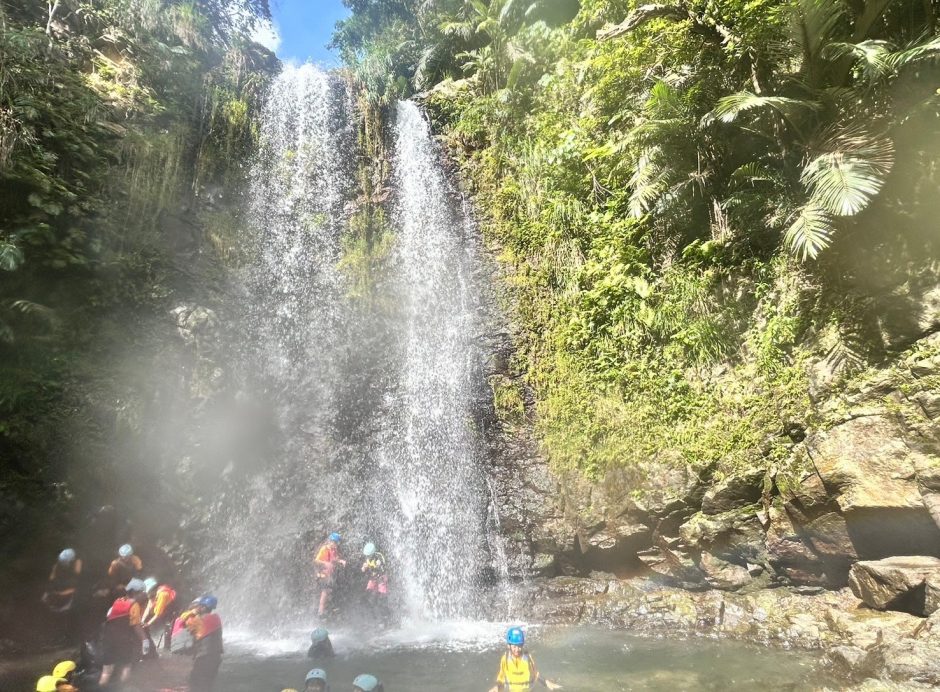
{"x":429,"y":452}
{"x":371,"y":403}
{"x":291,"y":349}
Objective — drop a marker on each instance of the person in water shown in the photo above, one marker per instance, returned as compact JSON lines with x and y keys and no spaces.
{"x":517,"y":670}
{"x":377,"y":587}
{"x":367,"y":683}
{"x":316,"y":681}
{"x":124,"y":567}
{"x":123,"y":636}
{"x":63,"y":582}
{"x":320,"y":645}
{"x":205,"y":625}
{"x":160,"y":611}
{"x":50,"y":683}
{"x":325,"y":561}
{"x":74,"y":677}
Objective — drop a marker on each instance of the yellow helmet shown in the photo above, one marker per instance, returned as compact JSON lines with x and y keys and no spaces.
{"x":63,"y":668}
{"x":47,"y":683}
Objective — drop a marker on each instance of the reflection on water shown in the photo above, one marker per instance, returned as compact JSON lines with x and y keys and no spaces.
{"x":580,"y":658}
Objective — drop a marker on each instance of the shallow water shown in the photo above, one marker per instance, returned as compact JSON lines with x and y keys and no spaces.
{"x":579,"y":658}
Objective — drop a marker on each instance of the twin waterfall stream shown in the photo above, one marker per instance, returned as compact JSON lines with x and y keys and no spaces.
{"x":372,"y":398}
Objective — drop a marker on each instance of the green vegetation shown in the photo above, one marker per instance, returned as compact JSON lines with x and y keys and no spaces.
{"x":694,"y":198}
{"x":117,"y":119}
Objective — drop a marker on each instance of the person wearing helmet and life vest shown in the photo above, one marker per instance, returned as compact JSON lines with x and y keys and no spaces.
{"x":63,"y":582}
{"x":367,"y":683}
{"x":320,"y":644}
{"x":517,"y":670}
{"x":316,"y":681}
{"x":124,"y":567}
{"x":123,"y":637}
{"x":325,"y":560}
{"x":160,"y":611}
{"x":50,"y":683}
{"x":205,"y":625}
{"x":68,"y":672}
{"x":376,"y":571}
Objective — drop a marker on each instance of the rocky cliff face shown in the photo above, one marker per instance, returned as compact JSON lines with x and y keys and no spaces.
{"x":861,"y":481}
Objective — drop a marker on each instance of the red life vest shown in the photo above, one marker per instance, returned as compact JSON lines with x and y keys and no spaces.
{"x":121,"y":608}
{"x":211,"y":623}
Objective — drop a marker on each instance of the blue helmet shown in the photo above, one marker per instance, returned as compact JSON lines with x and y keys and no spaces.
{"x":366,"y":683}
{"x":135,"y":586}
{"x":335,"y":537}
{"x":369,"y":549}
{"x":515,"y":636}
{"x":319,"y":635}
{"x":126,"y":550}
{"x":150,"y":583}
{"x":209,"y":602}
{"x":67,"y":556}
{"x":316,"y":674}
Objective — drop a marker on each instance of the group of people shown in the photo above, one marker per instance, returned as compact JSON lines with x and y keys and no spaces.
{"x":142,"y":615}
{"x":316,"y":682}
{"x":328,"y":559}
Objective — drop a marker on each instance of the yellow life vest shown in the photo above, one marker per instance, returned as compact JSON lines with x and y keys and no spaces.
{"x":517,"y":674}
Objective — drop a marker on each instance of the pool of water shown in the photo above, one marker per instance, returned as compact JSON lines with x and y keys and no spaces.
{"x":463,"y":657}
{"x":579,"y":658}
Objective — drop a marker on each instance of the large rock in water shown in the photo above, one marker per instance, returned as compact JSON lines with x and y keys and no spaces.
{"x":909,"y":584}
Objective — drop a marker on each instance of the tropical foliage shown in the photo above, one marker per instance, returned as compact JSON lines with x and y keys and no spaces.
{"x":686,"y":193}
{"x":116,"y":118}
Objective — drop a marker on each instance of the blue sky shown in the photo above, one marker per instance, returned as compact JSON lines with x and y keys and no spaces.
{"x":303,"y":28}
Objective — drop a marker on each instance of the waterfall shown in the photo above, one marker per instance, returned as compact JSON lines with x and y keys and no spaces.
{"x":370,"y":404}
{"x":292,"y":346}
{"x":430,"y":451}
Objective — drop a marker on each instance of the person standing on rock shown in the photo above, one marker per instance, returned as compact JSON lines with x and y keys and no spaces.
{"x":325,"y":561}
{"x":517,"y":671}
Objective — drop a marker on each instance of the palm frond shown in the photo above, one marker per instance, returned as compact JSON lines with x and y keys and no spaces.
{"x":428,"y":65}
{"x":844,"y":179}
{"x":648,"y":182}
{"x":11,"y":256}
{"x":730,"y":107}
{"x":919,"y":51}
{"x":810,"y":231}
{"x":873,"y":57}
{"x":755,"y":172}
{"x":44,"y":313}
{"x":461,"y":30}
{"x":817,"y":22}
